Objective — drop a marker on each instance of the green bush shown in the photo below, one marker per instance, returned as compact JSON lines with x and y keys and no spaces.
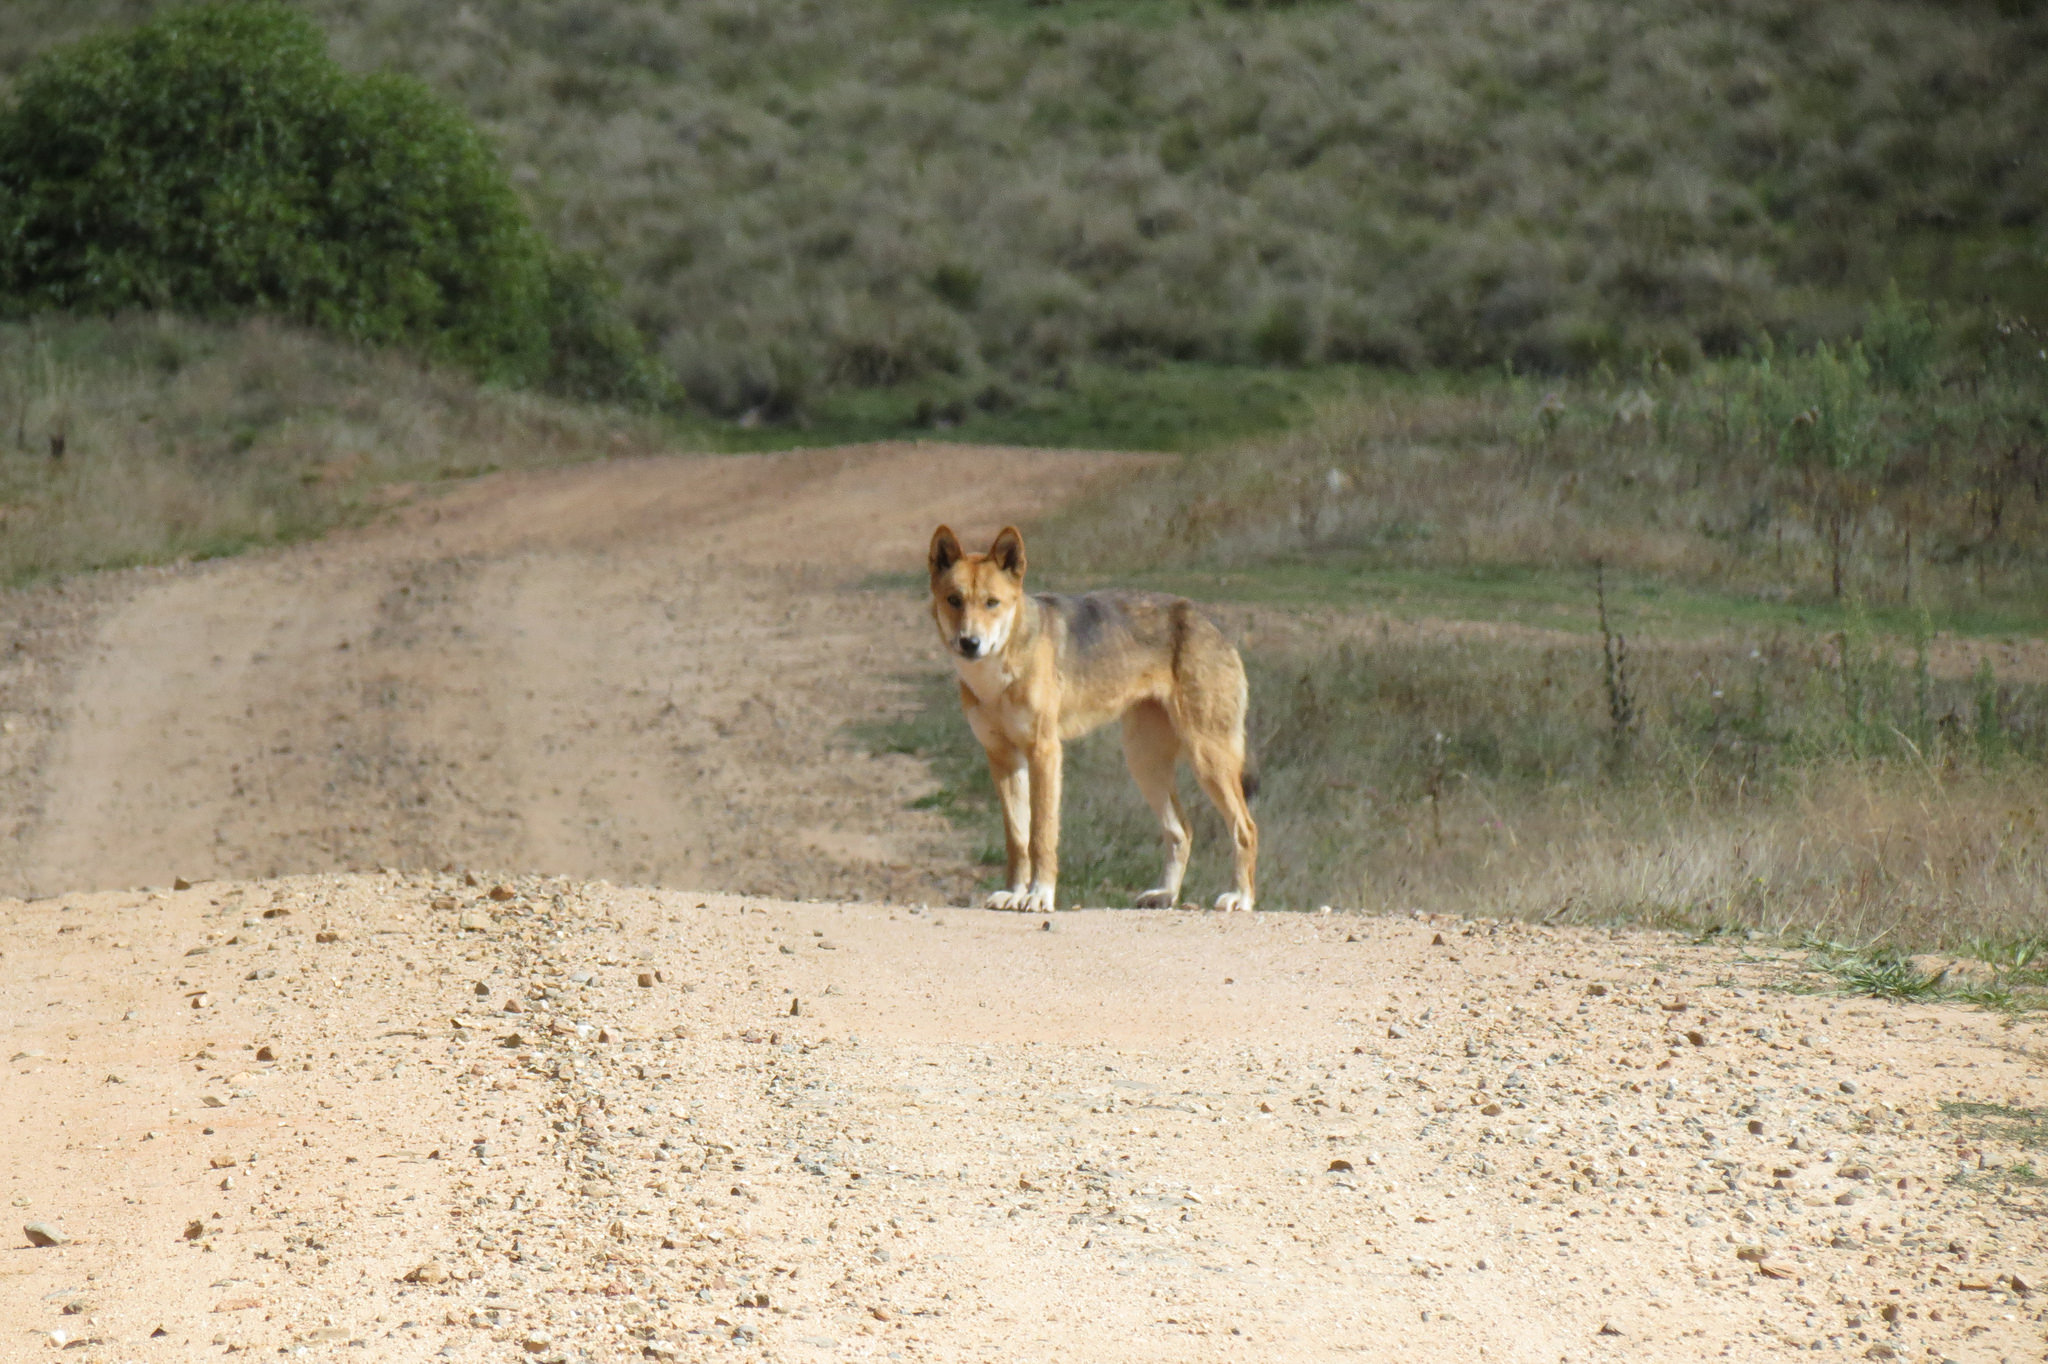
{"x":216,"y":161}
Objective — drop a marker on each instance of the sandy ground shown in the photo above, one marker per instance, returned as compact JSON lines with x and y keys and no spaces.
{"x":623,"y":1118}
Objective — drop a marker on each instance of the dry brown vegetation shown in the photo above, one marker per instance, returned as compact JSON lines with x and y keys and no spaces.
{"x":150,"y":439}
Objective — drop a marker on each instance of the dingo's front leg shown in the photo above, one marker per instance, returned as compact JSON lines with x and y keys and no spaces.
{"x":1044,"y":779}
{"x":1013,"y":789}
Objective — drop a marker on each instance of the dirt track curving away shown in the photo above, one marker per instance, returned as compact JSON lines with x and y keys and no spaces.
{"x":641,"y":670}
{"x":660,"y":1115}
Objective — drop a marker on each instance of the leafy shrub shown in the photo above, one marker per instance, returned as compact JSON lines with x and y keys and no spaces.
{"x":216,"y":161}
{"x":1900,"y":339}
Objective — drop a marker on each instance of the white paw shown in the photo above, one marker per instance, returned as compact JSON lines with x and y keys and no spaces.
{"x":1004,"y":899}
{"x":1232,"y":900}
{"x":1159,"y":897}
{"x":1037,"y":900}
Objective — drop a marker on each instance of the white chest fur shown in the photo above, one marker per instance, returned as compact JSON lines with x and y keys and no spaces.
{"x":987,"y":678}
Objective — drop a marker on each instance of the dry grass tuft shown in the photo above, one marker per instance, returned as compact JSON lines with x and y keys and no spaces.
{"x":1864,"y":854}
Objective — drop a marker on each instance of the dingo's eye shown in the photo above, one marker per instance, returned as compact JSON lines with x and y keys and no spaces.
{"x":990,"y":603}
{"x":955,"y":601}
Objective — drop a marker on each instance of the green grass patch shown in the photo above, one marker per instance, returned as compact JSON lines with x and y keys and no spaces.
{"x":1174,"y":406}
{"x":1884,"y":978}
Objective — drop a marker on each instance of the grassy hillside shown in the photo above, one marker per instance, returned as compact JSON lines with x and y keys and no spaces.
{"x":977,"y":198}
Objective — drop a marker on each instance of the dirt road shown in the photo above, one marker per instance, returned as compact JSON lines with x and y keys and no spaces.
{"x":641,"y":670}
{"x":858,"y":1132}
{"x":423,"y":1115}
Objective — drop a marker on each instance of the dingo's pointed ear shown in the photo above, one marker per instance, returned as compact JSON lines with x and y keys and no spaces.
{"x":1008,"y":551}
{"x":945,"y":550}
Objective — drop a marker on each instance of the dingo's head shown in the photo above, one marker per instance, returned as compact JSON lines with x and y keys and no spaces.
{"x":975,"y":597}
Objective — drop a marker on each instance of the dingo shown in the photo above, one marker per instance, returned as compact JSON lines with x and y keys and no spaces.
{"x":1038,"y":670}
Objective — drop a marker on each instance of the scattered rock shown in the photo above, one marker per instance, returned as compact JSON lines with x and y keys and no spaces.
{"x":1395,"y":1031}
{"x":536,"y":1341}
{"x":1753,"y":1254}
{"x":237,"y":1304}
{"x":327,"y":935}
{"x":44,"y":1234}
{"x":264,"y":1053}
{"x":645,"y":980}
{"x":180,"y":883}
{"x":1956,"y":973}
{"x":1847,"y":1086}
{"x":1340,"y":1167}
{"x":433,"y":1271}
{"x":502,"y":893}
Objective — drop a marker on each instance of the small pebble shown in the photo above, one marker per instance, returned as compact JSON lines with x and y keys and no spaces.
{"x":44,"y":1234}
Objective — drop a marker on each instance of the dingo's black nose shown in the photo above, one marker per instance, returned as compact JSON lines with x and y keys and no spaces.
{"x":970,"y":647}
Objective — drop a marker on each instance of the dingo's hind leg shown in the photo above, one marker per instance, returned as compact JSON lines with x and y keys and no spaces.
{"x":1151,"y":748}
